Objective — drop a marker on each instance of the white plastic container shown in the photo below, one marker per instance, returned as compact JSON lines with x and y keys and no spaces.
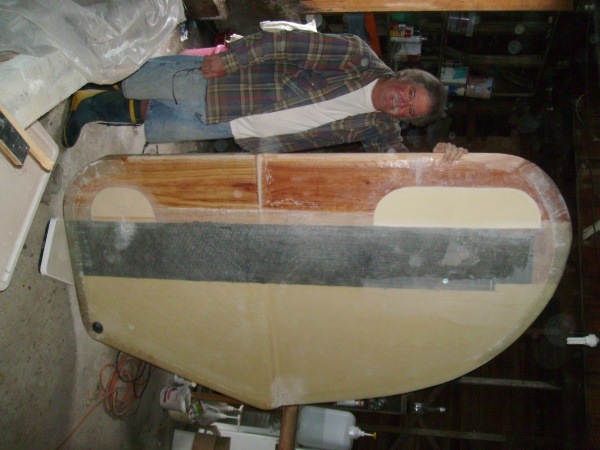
{"x":176,"y":398}
{"x":327,"y":429}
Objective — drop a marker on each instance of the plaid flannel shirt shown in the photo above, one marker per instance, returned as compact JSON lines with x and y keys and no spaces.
{"x":274,"y":71}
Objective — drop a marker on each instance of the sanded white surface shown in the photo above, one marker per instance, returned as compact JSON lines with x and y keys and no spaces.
{"x":120,"y":203}
{"x":278,"y":334}
{"x":459,"y":207}
{"x":21,"y":189}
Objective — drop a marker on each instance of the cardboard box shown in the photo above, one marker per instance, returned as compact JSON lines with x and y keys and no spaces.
{"x":204,"y":441}
{"x":188,"y":440}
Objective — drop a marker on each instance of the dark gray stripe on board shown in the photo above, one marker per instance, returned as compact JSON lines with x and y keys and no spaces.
{"x":383,"y":257}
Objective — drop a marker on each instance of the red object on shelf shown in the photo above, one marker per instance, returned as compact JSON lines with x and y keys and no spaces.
{"x":371,"y":27}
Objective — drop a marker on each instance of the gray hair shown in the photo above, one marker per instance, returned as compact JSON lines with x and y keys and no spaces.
{"x":435,"y":90}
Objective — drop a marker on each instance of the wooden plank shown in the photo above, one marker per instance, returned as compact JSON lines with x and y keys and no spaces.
{"x":213,"y":181}
{"x":508,"y":383}
{"x":17,"y":143}
{"x":495,"y":60}
{"x":181,"y":186}
{"x":287,"y":436}
{"x":330,"y":6}
{"x":469,"y":435}
{"x":318,"y":183}
{"x":489,"y":28}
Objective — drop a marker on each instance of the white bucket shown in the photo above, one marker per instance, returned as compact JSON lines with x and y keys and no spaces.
{"x":176,"y":398}
{"x":479,"y":87}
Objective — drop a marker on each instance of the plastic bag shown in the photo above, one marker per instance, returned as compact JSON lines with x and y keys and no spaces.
{"x":280,"y":25}
{"x":106,"y":41}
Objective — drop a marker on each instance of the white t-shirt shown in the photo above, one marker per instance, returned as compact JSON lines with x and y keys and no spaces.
{"x":303,"y":118}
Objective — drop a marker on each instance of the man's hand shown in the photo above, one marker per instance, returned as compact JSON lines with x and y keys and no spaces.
{"x":212,"y":67}
{"x":451,"y":152}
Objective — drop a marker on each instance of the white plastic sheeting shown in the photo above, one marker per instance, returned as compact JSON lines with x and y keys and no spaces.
{"x":105,"y":40}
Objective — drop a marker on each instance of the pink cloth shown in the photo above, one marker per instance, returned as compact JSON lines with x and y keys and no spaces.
{"x":204,"y":51}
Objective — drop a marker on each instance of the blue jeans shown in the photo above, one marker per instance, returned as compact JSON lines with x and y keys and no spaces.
{"x":176,"y":89}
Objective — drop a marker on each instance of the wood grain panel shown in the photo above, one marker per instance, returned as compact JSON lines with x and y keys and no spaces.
{"x":299,"y":188}
{"x":443,"y":5}
{"x":329,"y":182}
{"x":207,"y":181}
{"x":284,"y":188}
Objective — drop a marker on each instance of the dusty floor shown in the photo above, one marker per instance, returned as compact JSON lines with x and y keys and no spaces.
{"x":49,"y":366}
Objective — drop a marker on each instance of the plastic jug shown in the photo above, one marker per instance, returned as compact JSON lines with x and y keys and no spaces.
{"x":328,"y":429}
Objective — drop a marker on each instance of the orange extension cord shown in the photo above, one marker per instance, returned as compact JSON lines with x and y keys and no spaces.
{"x":126,"y":384}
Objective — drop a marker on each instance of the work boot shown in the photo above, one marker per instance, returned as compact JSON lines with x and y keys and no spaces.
{"x":99,"y":106}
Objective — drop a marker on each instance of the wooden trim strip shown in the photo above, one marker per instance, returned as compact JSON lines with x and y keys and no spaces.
{"x":342,"y":6}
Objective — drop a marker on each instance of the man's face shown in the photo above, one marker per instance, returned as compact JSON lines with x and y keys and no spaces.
{"x":400,"y":99}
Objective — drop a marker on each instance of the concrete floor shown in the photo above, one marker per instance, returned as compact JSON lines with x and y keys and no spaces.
{"x":49,"y":365}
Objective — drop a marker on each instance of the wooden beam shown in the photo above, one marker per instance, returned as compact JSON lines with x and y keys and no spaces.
{"x":508,"y":383}
{"x":469,"y":435}
{"x":491,"y":28}
{"x":431,"y":439}
{"x":495,"y":60}
{"x":287,"y":435}
{"x":341,"y":6}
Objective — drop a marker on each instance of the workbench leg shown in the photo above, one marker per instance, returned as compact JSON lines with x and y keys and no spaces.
{"x":287,"y":436}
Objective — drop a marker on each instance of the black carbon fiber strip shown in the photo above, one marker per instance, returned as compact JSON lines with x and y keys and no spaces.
{"x":307,"y":255}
